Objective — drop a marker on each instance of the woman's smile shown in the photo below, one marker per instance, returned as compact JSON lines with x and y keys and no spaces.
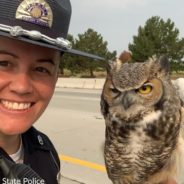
{"x":16,"y":106}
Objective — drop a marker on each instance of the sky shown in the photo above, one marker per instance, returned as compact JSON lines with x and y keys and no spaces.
{"x":118,"y":20}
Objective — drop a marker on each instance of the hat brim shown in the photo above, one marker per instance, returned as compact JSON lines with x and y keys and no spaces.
{"x":44,"y":44}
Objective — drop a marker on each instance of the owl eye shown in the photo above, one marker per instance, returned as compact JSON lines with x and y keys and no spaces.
{"x":145,"y":89}
{"x":114,"y":90}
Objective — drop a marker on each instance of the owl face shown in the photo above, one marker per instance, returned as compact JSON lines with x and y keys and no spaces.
{"x":147,"y":95}
{"x":139,"y":85}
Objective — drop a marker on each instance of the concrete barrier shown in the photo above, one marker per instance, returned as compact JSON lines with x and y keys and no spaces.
{"x":85,"y":83}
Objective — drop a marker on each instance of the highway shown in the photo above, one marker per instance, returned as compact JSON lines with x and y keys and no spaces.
{"x":74,"y":123}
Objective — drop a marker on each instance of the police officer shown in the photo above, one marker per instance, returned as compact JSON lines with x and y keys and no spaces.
{"x":32,"y":39}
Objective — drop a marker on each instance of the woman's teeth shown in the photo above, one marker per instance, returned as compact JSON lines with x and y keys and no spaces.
{"x":15,"y":105}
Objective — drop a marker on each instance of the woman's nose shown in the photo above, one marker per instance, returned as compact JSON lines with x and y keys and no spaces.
{"x":21,"y":84}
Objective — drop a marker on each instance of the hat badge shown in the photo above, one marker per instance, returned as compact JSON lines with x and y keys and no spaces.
{"x":36,"y":12}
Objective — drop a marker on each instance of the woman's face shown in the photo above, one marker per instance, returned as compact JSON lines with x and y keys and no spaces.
{"x":28,"y":74}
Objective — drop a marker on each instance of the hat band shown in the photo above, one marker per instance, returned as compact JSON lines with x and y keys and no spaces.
{"x":16,"y":31}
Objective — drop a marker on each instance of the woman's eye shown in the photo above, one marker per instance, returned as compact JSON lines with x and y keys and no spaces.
{"x":4,"y":63}
{"x":145,"y":89}
{"x":43,"y":70}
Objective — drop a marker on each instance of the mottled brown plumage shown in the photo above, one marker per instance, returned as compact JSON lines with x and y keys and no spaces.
{"x":144,"y":119}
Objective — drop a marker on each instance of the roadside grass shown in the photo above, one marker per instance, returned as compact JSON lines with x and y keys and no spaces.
{"x":175,"y":75}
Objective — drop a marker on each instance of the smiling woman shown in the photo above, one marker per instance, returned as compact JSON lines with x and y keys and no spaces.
{"x":32,"y":40}
{"x":27,"y":83}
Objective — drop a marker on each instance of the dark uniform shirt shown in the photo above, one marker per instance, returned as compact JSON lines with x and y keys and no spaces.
{"x":40,"y":155}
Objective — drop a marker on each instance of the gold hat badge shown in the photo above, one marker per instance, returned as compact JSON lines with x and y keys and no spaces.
{"x":35,"y":11}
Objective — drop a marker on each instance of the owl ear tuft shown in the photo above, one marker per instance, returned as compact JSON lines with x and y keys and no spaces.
{"x":164,"y":64}
{"x":113,"y":65}
{"x":124,"y":57}
{"x":109,"y":67}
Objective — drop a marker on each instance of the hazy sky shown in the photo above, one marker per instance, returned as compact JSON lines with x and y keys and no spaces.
{"x":118,"y":20}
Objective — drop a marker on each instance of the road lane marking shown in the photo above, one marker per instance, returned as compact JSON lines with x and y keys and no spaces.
{"x":82,"y":163}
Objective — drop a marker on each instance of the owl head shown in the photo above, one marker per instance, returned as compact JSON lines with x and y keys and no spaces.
{"x":140,"y":85}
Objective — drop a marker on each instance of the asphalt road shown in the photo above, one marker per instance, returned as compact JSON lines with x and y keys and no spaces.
{"x":75,"y":125}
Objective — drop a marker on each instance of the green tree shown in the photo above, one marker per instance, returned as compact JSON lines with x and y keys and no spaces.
{"x":157,"y":37}
{"x":92,"y":42}
{"x":67,"y":60}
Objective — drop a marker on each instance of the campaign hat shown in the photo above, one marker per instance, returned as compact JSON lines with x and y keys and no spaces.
{"x":41,"y":22}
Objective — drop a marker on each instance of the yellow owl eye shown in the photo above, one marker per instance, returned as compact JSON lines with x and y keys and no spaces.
{"x":145,"y":89}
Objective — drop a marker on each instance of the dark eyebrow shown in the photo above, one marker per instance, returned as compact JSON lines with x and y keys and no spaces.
{"x":8,"y":53}
{"x":46,"y":61}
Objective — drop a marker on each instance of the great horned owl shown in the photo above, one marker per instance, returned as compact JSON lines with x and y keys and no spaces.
{"x":143,"y":113}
